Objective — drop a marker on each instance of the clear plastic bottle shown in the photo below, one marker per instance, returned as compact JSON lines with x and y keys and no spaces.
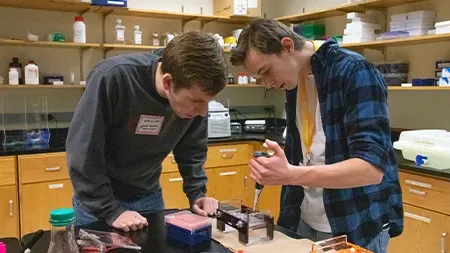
{"x":119,"y":33}
{"x":62,"y":232}
{"x":137,"y":35}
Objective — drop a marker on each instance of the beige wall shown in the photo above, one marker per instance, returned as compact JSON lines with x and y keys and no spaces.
{"x":408,"y":109}
{"x":65,"y":60}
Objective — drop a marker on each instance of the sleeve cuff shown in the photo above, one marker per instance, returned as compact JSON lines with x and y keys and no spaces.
{"x":193,"y":197}
{"x":374,"y":156}
{"x":110,"y":220}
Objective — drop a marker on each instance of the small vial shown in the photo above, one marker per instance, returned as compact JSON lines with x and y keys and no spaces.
{"x":119,"y":33}
{"x":72,"y":77}
{"x":137,"y":35}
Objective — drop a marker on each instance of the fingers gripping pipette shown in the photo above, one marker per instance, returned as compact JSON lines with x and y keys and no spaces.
{"x":258,"y":187}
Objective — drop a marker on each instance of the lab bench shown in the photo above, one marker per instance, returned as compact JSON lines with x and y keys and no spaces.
{"x":36,"y":181}
{"x":33,"y":182}
{"x":154,"y":239}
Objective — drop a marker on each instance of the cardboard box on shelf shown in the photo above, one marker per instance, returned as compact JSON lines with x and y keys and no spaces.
{"x":231,"y":7}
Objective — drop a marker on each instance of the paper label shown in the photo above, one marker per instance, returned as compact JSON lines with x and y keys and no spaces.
{"x":252,"y":3}
{"x":149,"y":125}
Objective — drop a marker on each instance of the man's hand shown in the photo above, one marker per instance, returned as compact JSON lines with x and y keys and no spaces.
{"x":275,"y":170}
{"x":205,"y":206}
{"x":130,"y":220}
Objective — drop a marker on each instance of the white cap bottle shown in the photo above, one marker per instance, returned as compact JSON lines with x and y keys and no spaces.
{"x":13,"y":76}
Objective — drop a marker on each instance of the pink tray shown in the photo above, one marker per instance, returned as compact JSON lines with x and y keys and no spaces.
{"x":187,"y":220}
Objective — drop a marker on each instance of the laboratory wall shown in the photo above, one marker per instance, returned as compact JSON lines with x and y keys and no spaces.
{"x":408,"y":109}
{"x":64,"y":60}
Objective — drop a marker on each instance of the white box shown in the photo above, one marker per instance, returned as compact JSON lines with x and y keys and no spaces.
{"x":399,"y":17}
{"x":446,"y":72}
{"x":420,"y":14}
{"x":442,"y":27}
{"x":356,"y":25}
{"x":428,"y":148}
{"x":444,"y":81}
{"x":417,"y":32}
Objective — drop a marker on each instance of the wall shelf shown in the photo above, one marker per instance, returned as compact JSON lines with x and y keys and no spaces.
{"x":64,"y":5}
{"x":401,"y":41}
{"x":344,"y":9}
{"x":51,"y":5}
{"x":130,"y":47}
{"x":9,"y":42}
{"x":42,"y":86}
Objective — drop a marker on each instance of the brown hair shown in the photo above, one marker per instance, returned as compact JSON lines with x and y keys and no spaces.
{"x":265,"y":35}
{"x":194,"y":58}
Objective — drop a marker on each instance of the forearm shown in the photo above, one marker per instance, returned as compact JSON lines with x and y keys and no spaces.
{"x":190,"y":155}
{"x":350,"y":173}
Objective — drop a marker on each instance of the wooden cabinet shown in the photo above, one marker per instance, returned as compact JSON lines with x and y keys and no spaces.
{"x":37,"y":200}
{"x":426,"y":192}
{"x":228,"y":155}
{"x":227,"y":182}
{"x":9,"y":212}
{"x":9,"y":201}
{"x":43,"y":167}
{"x":426,"y":215}
{"x":425,"y":231}
{"x":8,"y":170}
{"x":44,"y":186}
{"x":172,"y":187}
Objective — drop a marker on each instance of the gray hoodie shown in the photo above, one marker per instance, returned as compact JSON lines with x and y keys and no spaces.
{"x":121,"y":132}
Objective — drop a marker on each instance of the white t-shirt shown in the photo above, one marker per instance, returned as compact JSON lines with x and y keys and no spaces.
{"x":312,"y":208}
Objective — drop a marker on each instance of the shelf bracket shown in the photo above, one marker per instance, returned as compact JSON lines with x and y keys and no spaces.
{"x":85,"y":11}
{"x":82,"y":50}
{"x":185,"y":21}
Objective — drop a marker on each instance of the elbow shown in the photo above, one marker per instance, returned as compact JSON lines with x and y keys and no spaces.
{"x":376,"y":175}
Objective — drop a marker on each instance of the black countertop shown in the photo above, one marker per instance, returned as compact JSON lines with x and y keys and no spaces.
{"x":58,"y":138}
{"x":151,"y":239}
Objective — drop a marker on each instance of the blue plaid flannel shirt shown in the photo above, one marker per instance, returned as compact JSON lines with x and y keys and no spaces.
{"x":353,"y":104}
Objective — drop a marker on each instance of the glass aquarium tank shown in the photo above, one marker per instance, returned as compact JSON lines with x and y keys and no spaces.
{"x":23,"y":121}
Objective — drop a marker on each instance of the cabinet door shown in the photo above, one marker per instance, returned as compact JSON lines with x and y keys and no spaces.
{"x":269,"y":200}
{"x":228,"y":182}
{"x":38,"y":199}
{"x":9,"y":212}
{"x":172,"y":187}
{"x":424,"y":232}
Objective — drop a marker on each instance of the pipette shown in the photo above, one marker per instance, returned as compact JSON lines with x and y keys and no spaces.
{"x":258,"y":187}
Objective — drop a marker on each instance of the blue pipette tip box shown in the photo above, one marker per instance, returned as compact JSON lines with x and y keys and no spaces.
{"x":188,"y":228}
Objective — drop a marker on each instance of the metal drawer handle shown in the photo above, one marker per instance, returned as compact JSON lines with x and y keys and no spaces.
{"x":55,"y":186}
{"x":176,"y":179}
{"x":227,"y":173}
{"x":228,"y":150}
{"x":421,"y":193}
{"x":417,"y":217}
{"x":417,"y":183}
{"x":443,"y":242}
{"x":11,"y":208}
{"x":50,"y":169}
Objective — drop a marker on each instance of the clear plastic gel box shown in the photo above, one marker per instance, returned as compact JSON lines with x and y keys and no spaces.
{"x":188,"y":228}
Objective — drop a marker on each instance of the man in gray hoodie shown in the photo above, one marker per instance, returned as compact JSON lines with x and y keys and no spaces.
{"x":136,"y":109}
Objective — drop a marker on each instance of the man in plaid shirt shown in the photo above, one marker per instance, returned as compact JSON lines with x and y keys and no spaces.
{"x":338,"y":170}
